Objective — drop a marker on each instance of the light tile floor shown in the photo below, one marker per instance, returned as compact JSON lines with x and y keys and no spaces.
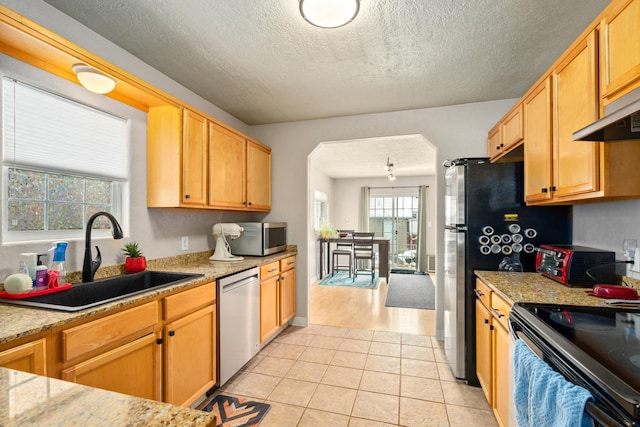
{"x":333,"y":376}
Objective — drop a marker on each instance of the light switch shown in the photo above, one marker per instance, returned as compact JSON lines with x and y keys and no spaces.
{"x":185,"y":243}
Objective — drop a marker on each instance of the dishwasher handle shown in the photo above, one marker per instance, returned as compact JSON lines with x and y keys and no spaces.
{"x":235,"y":285}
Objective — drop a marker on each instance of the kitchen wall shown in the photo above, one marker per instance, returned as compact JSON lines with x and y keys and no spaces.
{"x":455,"y":131}
{"x":606,"y":225}
{"x":158,"y":231}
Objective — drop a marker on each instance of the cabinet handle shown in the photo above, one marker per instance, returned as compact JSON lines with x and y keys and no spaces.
{"x":501,"y":145}
{"x":159,"y":341}
{"x":249,"y":203}
{"x":186,"y":196}
{"x":478,"y":293}
{"x":172,"y":333}
{"x":486,"y":321}
{"x":552,"y":188}
{"x":497,"y":147}
{"x":491,"y":327}
{"x":496,"y":313}
{"x":273,"y":271}
{"x":544,"y":190}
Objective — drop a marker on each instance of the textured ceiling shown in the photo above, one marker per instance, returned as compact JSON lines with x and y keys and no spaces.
{"x":411,"y":155}
{"x":261,"y":62}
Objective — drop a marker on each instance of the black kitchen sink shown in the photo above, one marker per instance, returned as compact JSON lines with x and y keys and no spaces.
{"x":85,"y":295}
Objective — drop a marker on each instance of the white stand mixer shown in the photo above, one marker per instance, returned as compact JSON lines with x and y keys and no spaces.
{"x":220,"y":232}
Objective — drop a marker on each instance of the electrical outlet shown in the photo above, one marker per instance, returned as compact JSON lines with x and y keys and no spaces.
{"x":185,"y":243}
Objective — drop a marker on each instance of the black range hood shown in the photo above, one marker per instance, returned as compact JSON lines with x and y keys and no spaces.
{"x":621,"y":121}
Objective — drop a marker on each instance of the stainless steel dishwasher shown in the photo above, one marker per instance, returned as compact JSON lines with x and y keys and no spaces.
{"x":238,"y":321}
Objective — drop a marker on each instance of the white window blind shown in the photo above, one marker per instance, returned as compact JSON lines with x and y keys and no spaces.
{"x":46,"y":131}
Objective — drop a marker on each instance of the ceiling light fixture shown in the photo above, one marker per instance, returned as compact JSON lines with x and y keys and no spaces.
{"x":329,"y":13}
{"x":389,"y":169}
{"x":94,"y":80}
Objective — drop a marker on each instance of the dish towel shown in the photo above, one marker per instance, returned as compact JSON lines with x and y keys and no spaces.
{"x":543,"y":397}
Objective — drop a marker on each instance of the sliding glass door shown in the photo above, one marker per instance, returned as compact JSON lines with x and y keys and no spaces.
{"x":396,"y":218}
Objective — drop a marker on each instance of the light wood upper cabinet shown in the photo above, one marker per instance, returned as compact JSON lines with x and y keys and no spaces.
{"x":506,"y":136}
{"x":538,"y":147}
{"x":195,"y":162}
{"x":227,"y":168}
{"x":494,"y":141}
{"x":619,"y":50}
{"x":512,"y":129}
{"x":258,"y":177}
{"x":29,"y":357}
{"x":575,"y":105}
{"x":195,"y":139}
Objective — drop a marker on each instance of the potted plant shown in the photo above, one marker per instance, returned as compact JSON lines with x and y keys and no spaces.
{"x":135,"y":261}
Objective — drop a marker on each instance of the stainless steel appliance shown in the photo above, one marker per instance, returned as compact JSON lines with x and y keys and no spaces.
{"x":487,"y":227}
{"x":574,"y":265}
{"x":260,"y":238}
{"x":238,"y":321}
{"x":597,"y":348}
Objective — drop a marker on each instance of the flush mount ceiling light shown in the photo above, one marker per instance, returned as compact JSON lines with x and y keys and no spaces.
{"x":94,"y":80}
{"x":329,"y":13}
{"x":389,"y":169}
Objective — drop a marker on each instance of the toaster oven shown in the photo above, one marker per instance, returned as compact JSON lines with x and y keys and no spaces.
{"x":577,"y":266}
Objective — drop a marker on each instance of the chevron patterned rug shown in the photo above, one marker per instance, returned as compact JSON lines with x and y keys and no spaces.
{"x":236,"y":412}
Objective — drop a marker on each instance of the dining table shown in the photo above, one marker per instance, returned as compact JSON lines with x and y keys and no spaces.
{"x":325,"y":254}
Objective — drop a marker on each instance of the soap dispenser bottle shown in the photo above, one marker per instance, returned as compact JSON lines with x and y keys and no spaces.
{"x":30,"y":260}
{"x":59,"y":253}
{"x":41,"y":273}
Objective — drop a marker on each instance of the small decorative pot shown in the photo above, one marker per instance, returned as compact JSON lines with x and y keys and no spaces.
{"x":135,"y":265}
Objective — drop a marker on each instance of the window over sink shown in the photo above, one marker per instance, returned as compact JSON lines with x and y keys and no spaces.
{"x":62,"y":162}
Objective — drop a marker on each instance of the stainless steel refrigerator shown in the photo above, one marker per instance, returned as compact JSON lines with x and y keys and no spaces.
{"x":487,"y":227}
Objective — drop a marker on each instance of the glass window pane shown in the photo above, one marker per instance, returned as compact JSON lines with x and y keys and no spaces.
{"x":99,"y":192}
{"x":25,"y":184}
{"x":64,"y":216}
{"x":66,"y":188}
{"x":101,"y":222}
{"x":26,"y":216}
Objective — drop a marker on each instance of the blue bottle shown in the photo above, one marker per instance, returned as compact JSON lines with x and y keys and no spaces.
{"x":59,"y":253}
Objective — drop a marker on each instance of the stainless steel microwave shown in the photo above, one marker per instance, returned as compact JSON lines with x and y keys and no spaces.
{"x":260,"y":239}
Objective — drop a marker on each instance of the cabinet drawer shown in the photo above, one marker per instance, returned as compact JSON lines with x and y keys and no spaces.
{"x":189,"y":300}
{"x":90,"y":336}
{"x":500,"y":309}
{"x":287,"y":263}
{"x":483,"y":292}
{"x":268,"y":270}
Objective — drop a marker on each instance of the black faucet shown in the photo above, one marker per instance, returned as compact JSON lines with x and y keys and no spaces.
{"x":90,"y":266}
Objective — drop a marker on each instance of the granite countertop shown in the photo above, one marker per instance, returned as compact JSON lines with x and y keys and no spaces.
{"x":20,"y":321}
{"x":33,"y":400}
{"x":533,"y":287}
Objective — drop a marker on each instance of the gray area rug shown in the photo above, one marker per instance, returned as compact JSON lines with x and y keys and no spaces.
{"x":411,"y":291}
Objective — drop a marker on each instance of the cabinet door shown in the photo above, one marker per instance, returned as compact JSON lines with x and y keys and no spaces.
{"x":483,"y":349}
{"x":194,"y":159}
{"x":501,"y":374}
{"x":30,"y":357}
{"x":269,"y":320}
{"x":575,"y":106}
{"x":538,"y":152}
{"x":512,"y":132}
{"x":190,"y":352}
{"x":287,"y":296}
{"x":133,"y":368}
{"x":227,"y":163}
{"x":619,"y":53}
{"x":494,"y":141}
{"x":258,"y":177}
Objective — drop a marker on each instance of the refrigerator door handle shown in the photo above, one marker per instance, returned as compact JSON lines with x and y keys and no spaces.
{"x":459,"y":228}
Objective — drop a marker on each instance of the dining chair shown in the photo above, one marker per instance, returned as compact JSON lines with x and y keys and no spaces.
{"x":363,"y":252}
{"x":344,"y":248}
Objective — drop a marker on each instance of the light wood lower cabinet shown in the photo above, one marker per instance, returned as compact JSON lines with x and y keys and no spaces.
{"x":190,"y":356}
{"x":277,"y":296}
{"x":132,"y":368}
{"x":29,"y":357}
{"x":492,"y":350}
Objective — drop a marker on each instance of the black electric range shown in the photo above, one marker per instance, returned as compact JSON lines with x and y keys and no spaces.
{"x":597,"y":348}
